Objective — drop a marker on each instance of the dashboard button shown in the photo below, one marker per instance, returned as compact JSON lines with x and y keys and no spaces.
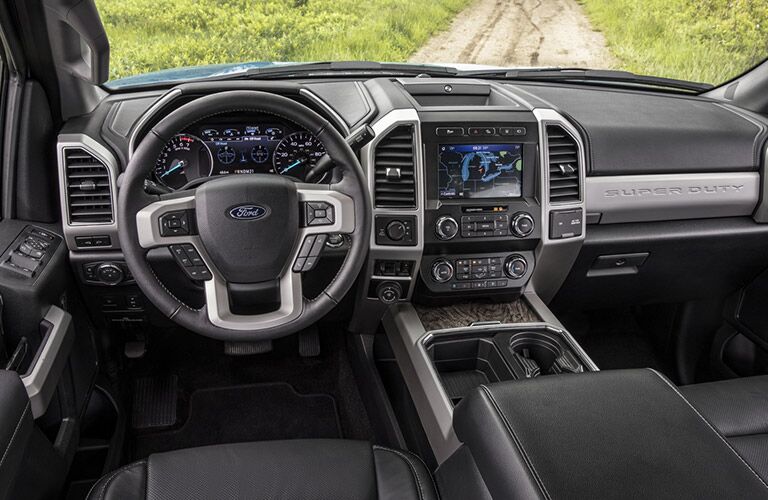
{"x":449,"y":131}
{"x":481,"y":131}
{"x":512,"y":131}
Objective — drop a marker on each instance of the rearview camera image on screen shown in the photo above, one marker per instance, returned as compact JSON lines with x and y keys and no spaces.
{"x":480,"y":171}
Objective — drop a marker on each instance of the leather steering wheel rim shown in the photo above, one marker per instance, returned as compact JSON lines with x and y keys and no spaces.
{"x":133,"y":199}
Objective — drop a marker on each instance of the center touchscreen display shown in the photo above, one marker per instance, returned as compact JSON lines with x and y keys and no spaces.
{"x":480,"y":171}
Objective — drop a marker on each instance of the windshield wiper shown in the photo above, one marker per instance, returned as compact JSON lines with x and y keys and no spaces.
{"x":589,"y":75}
{"x":342,"y":68}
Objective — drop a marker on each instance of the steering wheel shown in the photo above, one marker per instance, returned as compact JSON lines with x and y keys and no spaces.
{"x":243,"y":234}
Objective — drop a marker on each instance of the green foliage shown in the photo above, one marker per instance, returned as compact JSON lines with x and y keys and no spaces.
{"x":699,"y":40}
{"x":150,"y":35}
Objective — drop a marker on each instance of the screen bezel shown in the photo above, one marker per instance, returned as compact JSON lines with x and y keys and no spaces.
{"x":517,"y":145}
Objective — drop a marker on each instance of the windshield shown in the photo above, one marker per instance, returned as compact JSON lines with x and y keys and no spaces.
{"x":707,"y":41}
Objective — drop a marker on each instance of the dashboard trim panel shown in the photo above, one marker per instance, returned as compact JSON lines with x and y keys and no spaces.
{"x":554,"y":257}
{"x":413,"y":253}
{"x":73,"y":230}
{"x":662,"y":197}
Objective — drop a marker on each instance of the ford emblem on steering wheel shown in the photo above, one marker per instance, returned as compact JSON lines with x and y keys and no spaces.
{"x":248,"y":212}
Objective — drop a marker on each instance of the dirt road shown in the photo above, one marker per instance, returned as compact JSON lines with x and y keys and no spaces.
{"x":519,"y":33}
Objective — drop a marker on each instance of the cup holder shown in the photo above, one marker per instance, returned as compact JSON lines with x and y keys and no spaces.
{"x":465,"y":359}
{"x":536,"y":353}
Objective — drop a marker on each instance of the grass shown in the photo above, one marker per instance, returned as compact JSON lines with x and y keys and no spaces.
{"x":700,"y":40}
{"x":150,"y":35}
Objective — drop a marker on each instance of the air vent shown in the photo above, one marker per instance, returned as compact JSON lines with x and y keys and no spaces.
{"x":395,"y":184}
{"x":89,"y":196}
{"x":563,"y":165}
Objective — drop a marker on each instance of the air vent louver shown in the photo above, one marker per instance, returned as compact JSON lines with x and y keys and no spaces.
{"x":394,"y":181}
{"x":89,"y":197}
{"x":564,"y":165}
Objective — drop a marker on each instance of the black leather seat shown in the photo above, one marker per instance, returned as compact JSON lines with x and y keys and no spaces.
{"x":285,"y":470}
{"x":738,"y":408}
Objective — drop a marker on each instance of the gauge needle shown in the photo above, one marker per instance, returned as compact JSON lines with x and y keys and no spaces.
{"x":294,"y":164}
{"x":175,"y":167}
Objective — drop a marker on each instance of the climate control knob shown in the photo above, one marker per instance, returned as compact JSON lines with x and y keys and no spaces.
{"x":446,"y":227}
{"x":521,"y":225}
{"x":515,"y":267}
{"x":442,"y":271}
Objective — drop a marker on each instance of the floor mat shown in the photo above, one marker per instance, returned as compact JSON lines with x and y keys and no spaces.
{"x":254,"y":412}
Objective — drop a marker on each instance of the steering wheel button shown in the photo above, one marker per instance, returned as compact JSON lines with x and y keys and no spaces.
{"x":319,"y":214}
{"x":306,"y":246}
{"x":199,"y":273}
{"x":318,"y":246}
{"x":299,"y":265}
{"x":310,"y":263}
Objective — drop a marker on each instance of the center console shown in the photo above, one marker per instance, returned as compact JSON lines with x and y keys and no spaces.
{"x":482,"y":218}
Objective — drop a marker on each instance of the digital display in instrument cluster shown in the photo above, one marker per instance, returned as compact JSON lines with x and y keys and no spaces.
{"x":225,"y":149}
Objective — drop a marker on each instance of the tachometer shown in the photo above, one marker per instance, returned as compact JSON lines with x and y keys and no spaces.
{"x":296,"y":154}
{"x":184,"y":158}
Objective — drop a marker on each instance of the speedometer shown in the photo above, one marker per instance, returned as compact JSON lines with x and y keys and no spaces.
{"x":184,"y":158}
{"x":297,"y":154}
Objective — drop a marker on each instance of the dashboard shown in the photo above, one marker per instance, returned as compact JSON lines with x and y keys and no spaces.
{"x":253,"y":144}
{"x":479,"y":189}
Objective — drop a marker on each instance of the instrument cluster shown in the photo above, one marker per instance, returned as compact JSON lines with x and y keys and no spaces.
{"x":263,"y":145}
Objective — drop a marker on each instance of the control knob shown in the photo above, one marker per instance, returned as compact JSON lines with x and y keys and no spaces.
{"x":396,"y":230}
{"x":389,"y":292}
{"x":515,"y":267}
{"x":442,"y":271}
{"x":109,"y":274}
{"x":446,"y":227}
{"x":521,"y":225}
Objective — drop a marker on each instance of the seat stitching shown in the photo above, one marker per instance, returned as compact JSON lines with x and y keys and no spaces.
{"x":111,"y":477}
{"x":516,"y":440}
{"x":410,"y":466}
{"x":733,"y":450}
{"x":13,"y":436}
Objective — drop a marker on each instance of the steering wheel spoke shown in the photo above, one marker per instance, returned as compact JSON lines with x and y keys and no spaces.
{"x":170,"y":221}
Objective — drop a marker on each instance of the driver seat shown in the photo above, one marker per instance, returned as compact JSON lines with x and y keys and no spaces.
{"x":311,"y":469}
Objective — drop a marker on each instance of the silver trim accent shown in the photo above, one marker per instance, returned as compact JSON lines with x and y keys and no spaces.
{"x":217,"y":300}
{"x":71,"y":230}
{"x":659,"y":197}
{"x":554,"y":258}
{"x":43,"y":377}
{"x":381,"y":128}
